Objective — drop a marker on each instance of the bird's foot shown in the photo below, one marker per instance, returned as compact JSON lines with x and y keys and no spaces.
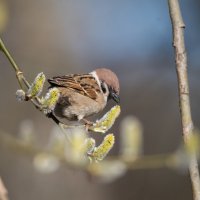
{"x":88,"y":124}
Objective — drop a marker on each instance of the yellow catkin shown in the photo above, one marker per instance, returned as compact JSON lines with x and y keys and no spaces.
{"x":102,"y":150}
{"x":74,"y":151}
{"x":37,"y":86}
{"x":107,"y":121}
{"x":89,"y":145}
{"x":50,"y":100}
{"x":131,"y":138}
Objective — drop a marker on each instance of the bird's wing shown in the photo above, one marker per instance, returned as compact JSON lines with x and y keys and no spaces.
{"x":84,"y":84}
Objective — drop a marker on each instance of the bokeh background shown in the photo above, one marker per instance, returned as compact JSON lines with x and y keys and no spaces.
{"x":134,"y":39}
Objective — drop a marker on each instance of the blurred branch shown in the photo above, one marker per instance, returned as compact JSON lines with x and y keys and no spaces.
{"x":142,"y":162}
{"x":184,"y":101}
{"x":3,"y":191}
{"x":19,"y":146}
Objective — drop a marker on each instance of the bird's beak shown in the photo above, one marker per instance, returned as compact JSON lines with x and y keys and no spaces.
{"x":115,"y":97}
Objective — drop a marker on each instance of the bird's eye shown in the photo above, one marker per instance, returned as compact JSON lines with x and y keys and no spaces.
{"x":103,"y":87}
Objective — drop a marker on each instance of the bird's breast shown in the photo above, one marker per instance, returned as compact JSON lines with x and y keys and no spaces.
{"x":75,"y":106}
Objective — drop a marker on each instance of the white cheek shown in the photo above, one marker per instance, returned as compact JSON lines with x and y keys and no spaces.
{"x":105,"y":96}
{"x":94,"y":74}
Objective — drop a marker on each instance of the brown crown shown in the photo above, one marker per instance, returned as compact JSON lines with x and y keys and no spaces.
{"x":109,"y":77}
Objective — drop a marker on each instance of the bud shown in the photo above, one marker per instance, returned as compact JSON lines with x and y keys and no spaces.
{"x":50,"y":100}
{"x":103,"y":149}
{"x":74,"y":151}
{"x":131,"y":138}
{"x":107,"y":121}
{"x":89,"y":145}
{"x":20,"y":95}
{"x":37,"y":86}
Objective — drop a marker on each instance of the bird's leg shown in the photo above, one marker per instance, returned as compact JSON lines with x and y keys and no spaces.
{"x":88,"y":124}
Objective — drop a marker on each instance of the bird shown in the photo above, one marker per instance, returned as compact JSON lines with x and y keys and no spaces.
{"x":83,"y":95}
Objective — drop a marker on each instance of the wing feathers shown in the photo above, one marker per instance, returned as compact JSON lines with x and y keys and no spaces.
{"x":84,"y":84}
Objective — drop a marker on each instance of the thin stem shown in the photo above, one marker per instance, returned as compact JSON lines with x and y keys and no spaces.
{"x":184,"y":100}
{"x":3,"y":48}
{"x":19,"y":73}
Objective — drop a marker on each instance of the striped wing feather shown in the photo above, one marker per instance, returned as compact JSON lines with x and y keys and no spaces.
{"x":84,"y":84}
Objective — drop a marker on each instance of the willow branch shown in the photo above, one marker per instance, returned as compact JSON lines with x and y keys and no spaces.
{"x":19,"y":74}
{"x":184,"y":100}
{"x":22,"y":80}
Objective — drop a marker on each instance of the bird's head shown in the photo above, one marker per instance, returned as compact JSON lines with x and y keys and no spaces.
{"x":109,"y":83}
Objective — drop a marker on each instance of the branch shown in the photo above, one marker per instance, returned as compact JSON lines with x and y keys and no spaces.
{"x":143,"y":162}
{"x":22,"y":80}
{"x":3,"y":191}
{"x":20,"y":77}
{"x":184,"y":100}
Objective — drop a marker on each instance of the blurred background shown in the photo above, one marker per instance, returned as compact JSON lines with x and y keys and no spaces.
{"x":134,"y":39}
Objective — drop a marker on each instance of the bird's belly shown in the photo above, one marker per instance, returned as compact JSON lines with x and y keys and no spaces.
{"x":78,"y":109}
{"x":79,"y":112}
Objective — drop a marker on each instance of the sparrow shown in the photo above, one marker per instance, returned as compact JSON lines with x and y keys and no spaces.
{"x":83,"y":95}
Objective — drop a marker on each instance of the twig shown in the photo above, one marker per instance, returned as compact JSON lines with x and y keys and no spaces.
{"x":22,"y":80}
{"x":3,"y":191}
{"x":35,"y":101}
{"x":184,"y":101}
{"x":19,"y":73}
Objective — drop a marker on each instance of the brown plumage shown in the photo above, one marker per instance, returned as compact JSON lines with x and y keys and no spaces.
{"x":82,"y":95}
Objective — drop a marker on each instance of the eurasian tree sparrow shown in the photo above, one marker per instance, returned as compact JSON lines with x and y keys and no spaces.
{"x":82,"y":95}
